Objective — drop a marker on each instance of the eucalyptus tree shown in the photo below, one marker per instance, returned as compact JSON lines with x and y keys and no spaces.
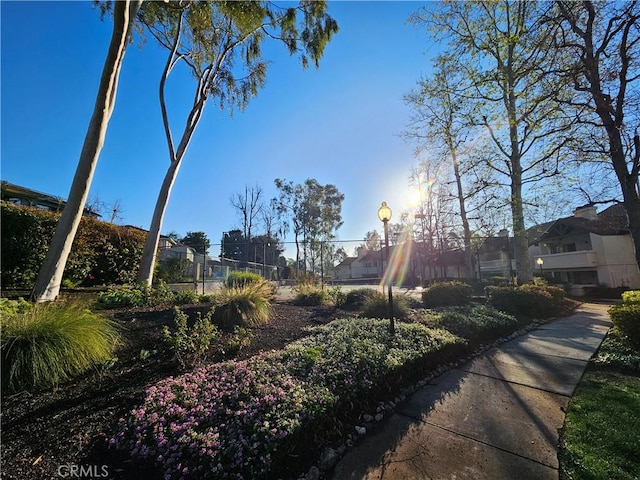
{"x":313,"y":210}
{"x":323,"y":205}
{"x":502,"y":51}
{"x":220,"y":42}
{"x":601,"y":43}
{"x":47,"y":285}
{"x":289,"y":204}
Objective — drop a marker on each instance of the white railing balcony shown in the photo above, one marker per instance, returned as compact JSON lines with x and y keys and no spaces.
{"x":579,"y":259}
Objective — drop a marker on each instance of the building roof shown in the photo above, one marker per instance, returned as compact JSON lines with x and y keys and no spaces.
{"x":612,"y":221}
{"x":34,"y":198}
{"x":346,"y":262}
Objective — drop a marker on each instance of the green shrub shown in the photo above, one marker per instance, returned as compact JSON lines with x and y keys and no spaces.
{"x":618,"y":353}
{"x":185,"y":297}
{"x":358,"y":297}
{"x":600,"y":291}
{"x":527,"y":300}
{"x":479,"y":321}
{"x":247,"y":306}
{"x":207,"y":298}
{"x":626,"y":317}
{"x":498,"y":281}
{"x":190,"y":345}
{"x":102,"y":253}
{"x":378,"y":306}
{"x":443,"y":294}
{"x":120,"y":298}
{"x":240,"y":279}
{"x":632,"y":296}
{"x":239,"y":339}
{"x":158,"y":294}
{"x":142,"y":295}
{"x":51,"y":343}
{"x":557,"y":294}
{"x":13,"y":307}
{"x":351,"y":356}
{"x":336,"y":296}
{"x":171,"y":270}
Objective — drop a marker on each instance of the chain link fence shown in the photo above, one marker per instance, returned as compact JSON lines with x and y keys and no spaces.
{"x":340,"y":262}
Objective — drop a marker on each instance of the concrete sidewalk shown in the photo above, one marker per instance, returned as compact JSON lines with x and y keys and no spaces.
{"x":495,"y":418}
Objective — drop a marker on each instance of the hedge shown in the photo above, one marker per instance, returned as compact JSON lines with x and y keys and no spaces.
{"x":626,"y":317}
{"x":102,"y":253}
{"x":444,"y":294}
{"x":531,"y":301}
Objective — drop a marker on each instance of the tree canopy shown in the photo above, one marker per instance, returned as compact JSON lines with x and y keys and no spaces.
{"x":197,"y":240}
{"x":220,"y":42}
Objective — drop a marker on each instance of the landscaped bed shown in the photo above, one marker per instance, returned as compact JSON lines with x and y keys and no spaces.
{"x":261,"y":409}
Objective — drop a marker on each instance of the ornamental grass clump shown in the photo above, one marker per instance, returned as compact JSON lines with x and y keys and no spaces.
{"x":309,"y":293}
{"x":51,"y":343}
{"x":245,"y":306}
{"x":377,"y":306}
{"x":227,"y":420}
{"x":240,"y":279}
{"x":357,"y":297}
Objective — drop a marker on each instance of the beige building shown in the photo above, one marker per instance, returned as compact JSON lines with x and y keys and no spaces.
{"x":587,"y":249}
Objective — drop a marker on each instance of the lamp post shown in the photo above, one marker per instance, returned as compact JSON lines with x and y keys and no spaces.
{"x":540,"y":262}
{"x":384,"y":214}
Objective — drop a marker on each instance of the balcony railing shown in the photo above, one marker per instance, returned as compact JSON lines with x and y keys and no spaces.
{"x":579,"y":259}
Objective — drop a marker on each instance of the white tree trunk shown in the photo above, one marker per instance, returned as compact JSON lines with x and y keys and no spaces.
{"x":145,"y":274}
{"x":49,"y":279}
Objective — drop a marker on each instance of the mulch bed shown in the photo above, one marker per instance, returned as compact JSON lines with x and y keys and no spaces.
{"x":48,"y":434}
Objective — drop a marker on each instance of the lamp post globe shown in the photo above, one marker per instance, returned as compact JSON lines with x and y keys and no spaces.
{"x":540,"y":262}
{"x":384,"y":213}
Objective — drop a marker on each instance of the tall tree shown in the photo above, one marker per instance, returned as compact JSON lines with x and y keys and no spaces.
{"x":603,"y":44}
{"x":314,"y":211}
{"x":220,"y":43}
{"x":249,"y":206}
{"x":439,"y":119}
{"x":290,"y":207}
{"x":371,"y":241}
{"x":503,"y":51}
{"x":47,"y":285}
{"x":197,"y":240}
{"x":323,"y":212}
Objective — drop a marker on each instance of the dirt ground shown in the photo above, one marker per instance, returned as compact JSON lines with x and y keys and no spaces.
{"x":54,"y":433}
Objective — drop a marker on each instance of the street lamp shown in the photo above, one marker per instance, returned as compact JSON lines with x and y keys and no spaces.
{"x":539,"y":261}
{"x":384,"y":214}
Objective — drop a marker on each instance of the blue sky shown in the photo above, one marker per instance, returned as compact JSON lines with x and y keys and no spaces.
{"x":339,"y":124}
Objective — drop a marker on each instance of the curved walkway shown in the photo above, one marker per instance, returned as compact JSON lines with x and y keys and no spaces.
{"x":496,"y":417}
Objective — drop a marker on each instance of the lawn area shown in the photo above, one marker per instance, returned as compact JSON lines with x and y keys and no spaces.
{"x":601,"y":435}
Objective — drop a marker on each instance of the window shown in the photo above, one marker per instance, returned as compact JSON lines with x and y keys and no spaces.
{"x":568,"y":247}
{"x":586,"y":277}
